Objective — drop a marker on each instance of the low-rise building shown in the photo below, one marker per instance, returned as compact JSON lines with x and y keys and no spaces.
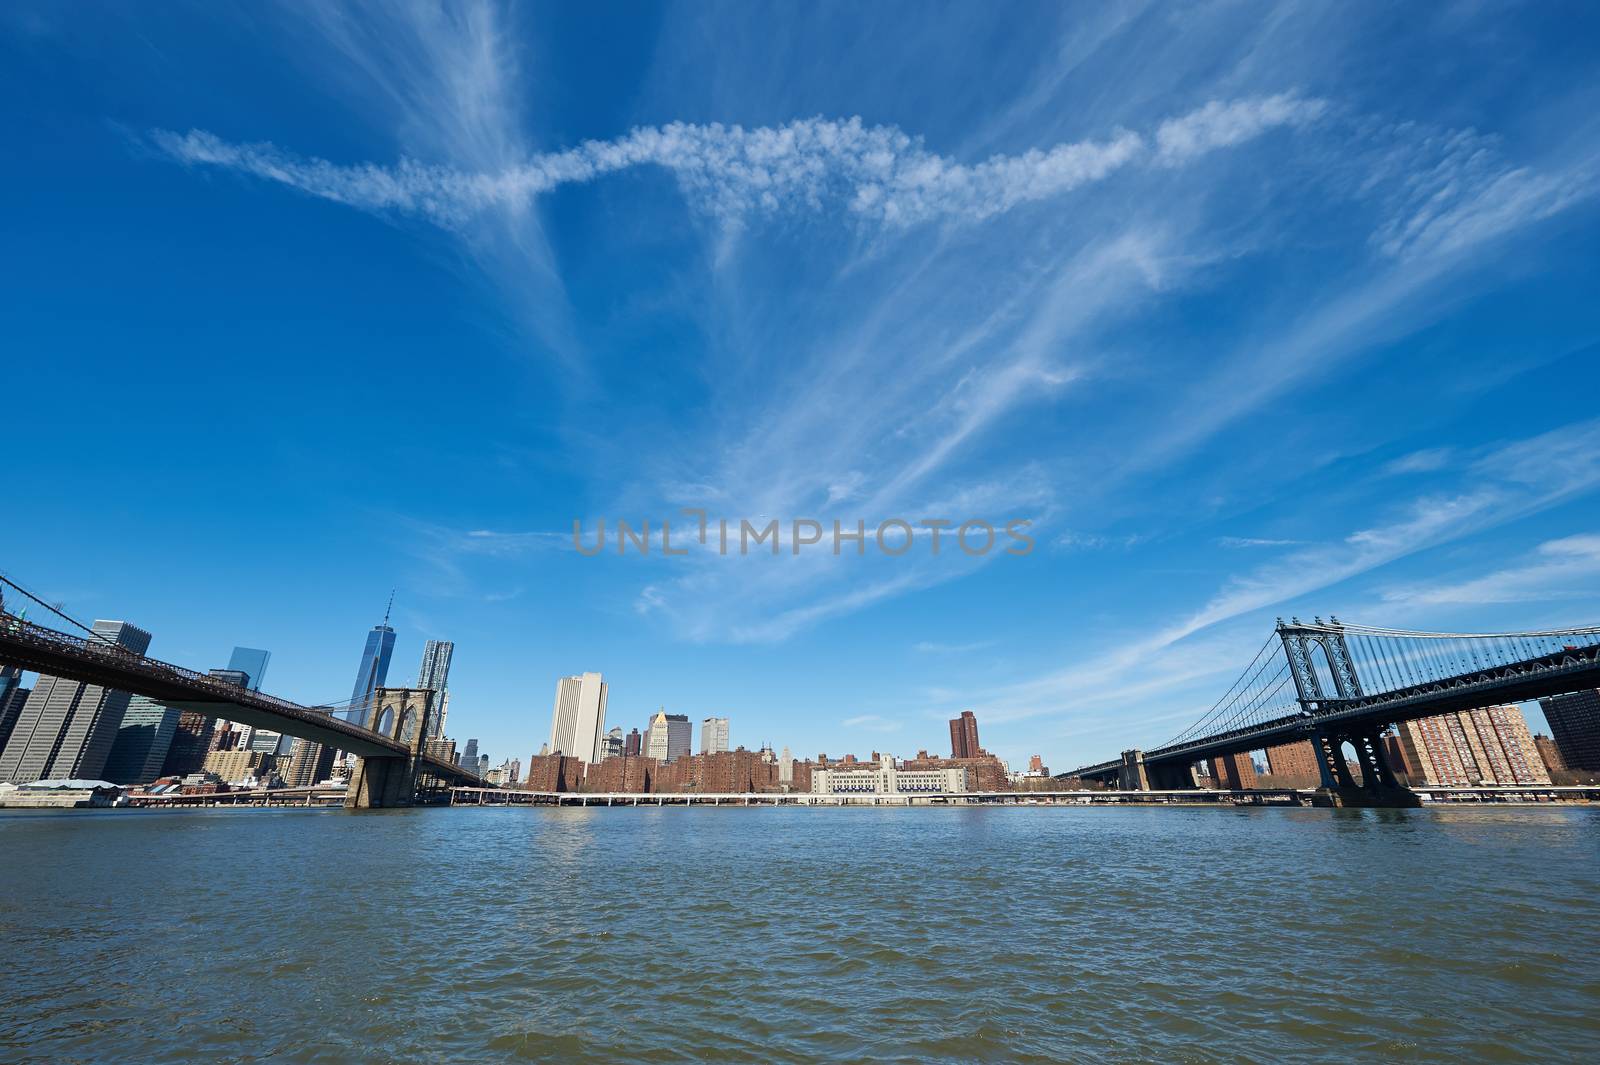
{"x":884,"y":777}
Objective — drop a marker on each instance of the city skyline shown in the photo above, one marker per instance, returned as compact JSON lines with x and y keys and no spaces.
{"x":1284,"y":324}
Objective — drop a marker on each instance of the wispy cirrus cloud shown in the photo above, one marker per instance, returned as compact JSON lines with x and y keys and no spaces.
{"x":930,"y":647}
{"x":1427,"y":460}
{"x":1564,"y":568}
{"x":871,"y":723}
{"x":1255,"y":541}
{"x":1160,"y":676}
{"x":880,"y":174}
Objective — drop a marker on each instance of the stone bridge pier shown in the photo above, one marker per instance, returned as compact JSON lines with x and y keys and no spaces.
{"x":401,"y":714}
{"x":1378,"y":785}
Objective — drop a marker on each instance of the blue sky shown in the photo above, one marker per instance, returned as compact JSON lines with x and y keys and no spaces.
{"x":1250,"y":309}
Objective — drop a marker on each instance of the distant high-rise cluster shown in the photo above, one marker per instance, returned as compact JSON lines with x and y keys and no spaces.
{"x":67,"y":728}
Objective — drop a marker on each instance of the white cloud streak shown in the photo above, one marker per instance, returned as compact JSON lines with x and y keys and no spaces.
{"x":1565,"y":568}
{"x":880,"y":174}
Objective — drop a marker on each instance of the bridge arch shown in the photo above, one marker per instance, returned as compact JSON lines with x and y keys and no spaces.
{"x":385,"y":726}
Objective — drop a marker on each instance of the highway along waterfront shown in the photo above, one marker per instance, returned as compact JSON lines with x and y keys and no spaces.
{"x":999,"y":933}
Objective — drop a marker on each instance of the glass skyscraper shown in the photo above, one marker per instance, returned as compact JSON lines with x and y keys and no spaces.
{"x":374,"y":671}
{"x":252,"y":663}
{"x":435,"y":675}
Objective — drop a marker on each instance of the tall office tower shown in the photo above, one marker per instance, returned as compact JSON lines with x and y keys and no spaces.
{"x":435,"y":676}
{"x":612,"y":744}
{"x":10,"y":680}
{"x":786,"y":767}
{"x":67,"y":727}
{"x":10,"y":684}
{"x":142,"y":742}
{"x":374,"y":670}
{"x":10,"y":710}
{"x":1488,"y":746}
{"x":469,"y":755}
{"x":668,"y":737}
{"x":714,"y":735}
{"x":579,"y":719}
{"x":964,"y":736}
{"x":1036,"y":764}
{"x":632,"y":744}
{"x":1575,"y":722}
{"x":252,"y":662}
{"x":309,"y":763}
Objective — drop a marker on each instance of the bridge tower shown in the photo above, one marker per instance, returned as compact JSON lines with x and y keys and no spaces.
{"x":402,"y":714}
{"x":1301,"y":644}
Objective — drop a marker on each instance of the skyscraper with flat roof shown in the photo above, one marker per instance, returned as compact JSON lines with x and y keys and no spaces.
{"x":67,"y":728}
{"x":1575,"y":724}
{"x":142,"y":742}
{"x":252,"y":662}
{"x":10,"y":685}
{"x":964,"y":736}
{"x":714,"y":735}
{"x":578,"y":721}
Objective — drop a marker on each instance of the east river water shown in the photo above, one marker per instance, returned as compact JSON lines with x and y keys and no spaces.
{"x":793,"y":935}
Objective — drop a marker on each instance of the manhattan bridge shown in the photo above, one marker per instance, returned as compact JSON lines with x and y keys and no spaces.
{"x":1334,"y":683}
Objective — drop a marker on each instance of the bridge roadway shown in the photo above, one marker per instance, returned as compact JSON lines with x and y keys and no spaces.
{"x":37,"y":649}
{"x":1559,"y":673}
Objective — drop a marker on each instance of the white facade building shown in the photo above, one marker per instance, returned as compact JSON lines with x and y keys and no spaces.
{"x":886,"y":778}
{"x":714,"y":735}
{"x":578,"y":723}
{"x":668,"y":737}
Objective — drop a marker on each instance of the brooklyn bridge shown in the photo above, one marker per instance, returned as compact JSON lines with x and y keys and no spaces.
{"x":392,"y":767}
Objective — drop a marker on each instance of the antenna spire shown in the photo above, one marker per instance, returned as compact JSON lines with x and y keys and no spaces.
{"x":390,"y":608}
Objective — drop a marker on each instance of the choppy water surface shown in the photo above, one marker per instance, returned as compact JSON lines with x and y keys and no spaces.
{"x":800,"y":934}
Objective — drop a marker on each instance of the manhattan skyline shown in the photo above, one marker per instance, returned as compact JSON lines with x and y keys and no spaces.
{"x":1278,"y":324}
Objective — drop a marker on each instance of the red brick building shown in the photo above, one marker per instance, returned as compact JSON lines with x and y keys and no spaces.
{"x":725,"y":772}
{"x":1234,"y":772}
{"x":554,"y":772}
{"x":630,"y":775}
{"x":964,"y":736}
{"x":985,"y":772}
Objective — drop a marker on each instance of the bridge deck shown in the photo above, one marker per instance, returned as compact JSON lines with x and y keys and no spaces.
{"x":41,"y":650}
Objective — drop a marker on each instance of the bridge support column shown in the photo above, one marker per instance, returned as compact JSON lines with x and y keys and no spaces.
{"x":381,"y":782}
{"x":391,"y":780}
{"x":1131,"y":776}
{"x":1378,"y":785}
